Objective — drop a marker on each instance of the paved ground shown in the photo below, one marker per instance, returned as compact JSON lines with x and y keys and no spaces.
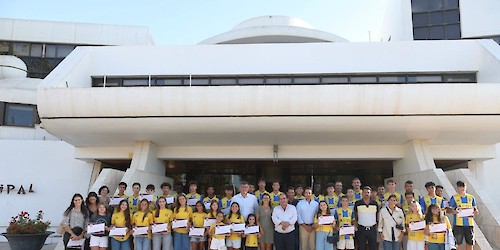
{"x":5,"y":246}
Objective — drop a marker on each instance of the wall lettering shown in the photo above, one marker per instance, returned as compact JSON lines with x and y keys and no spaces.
{"x":11,"y":188}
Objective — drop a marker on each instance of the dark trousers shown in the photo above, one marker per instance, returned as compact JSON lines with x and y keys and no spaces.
{"x":66,"y":236}
{"x":365,"y":234}
{"x":284,"y":241}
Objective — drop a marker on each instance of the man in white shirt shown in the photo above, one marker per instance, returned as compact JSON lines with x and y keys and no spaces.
{"x":306,"y":209}
{"x":248,"y":202}
{"x":284,"y":217}
{"x":391,"y":221}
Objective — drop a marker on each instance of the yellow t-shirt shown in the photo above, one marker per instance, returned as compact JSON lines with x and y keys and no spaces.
{"x":182,"y":214}
{"x":198,"y":219}
{"x":165,"y":216}
{"x":438,"y":237}
{"x":139,"y":220}
{"x":233,"y":218}
{"x":152,"y":204}
{"x":212,"y":232}
{"x":275,"y":199}
{"x":415,"y":235}
{"x":118,"y":220}
{"x":252,"y":240}
{"x":133,"y":203}
{"x":323,"y":228}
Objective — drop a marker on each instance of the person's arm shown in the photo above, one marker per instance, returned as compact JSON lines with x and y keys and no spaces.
{"x":476,"y":211}
{"x":380,"y":226}
{"x":294,"y":216}
{"x":276,"y":218}
{"x":299,"y":215}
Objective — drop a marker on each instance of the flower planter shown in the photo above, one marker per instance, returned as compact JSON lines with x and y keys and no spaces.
{"x":26,"y":241}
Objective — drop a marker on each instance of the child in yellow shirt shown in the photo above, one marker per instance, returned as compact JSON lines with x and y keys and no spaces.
{"x":217,"y":241}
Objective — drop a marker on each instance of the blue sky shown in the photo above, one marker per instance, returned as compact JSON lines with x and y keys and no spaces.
{"x":190,"y":21}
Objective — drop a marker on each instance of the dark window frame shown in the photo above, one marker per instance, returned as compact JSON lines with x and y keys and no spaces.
{"x":4,"y":113}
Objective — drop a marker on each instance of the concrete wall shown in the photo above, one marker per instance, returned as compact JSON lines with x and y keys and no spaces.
{"x":479,"y":18}
{"x":397,"y":24}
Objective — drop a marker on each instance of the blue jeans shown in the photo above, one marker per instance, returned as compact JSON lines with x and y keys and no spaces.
{"x":321,"y":243}
{"x":142,"y":243}
{"x":162,"y":241}
{"x":392,"y":245}
{"x":436,"y":246}
{"x":181,"y":241}
{"x":120,"y":245}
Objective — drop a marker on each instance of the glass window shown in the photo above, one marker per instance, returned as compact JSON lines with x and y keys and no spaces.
{"x":36,"y":50}
{"x":363,"y":79}
{"x":392,"y":79}
{"x":279,"y":80}
{"x":196,"y":81}
{"x":426,"y":5}
{"x":437,"y":32}
{"x":21,"y":49}
{"x":335,"y":80}
{"x":451,"y":4}
{"x":420,"y":19}
{"x":453,"y":31}
{"x":64,"y":50}
{"x":452,"y":16}
{"x":5,"y":48}
{"x":461,"y":78}
{"x":97,"y":81}
{"x":50,"y":50}
{"x":135,"y":82}
{"x":251,"y":81}
{"x":421,"y":33}
{"x":169,"y":82}
{"x":223,"y":81}
{"x":429,"y":78}
{"x":306,"y":80}
{"x":19,"y":115}
{"x":437,"y":18}
{"x":113,"y":82}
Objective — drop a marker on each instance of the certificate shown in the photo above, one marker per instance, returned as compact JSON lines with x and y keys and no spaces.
{"x":466,"y":212}
{"x":238,"y":227}
{"x":207,"y":205}
{"x":415,"y":226}
{"x":160,"y":228}
{"x":179,"y":223}
{"x":140,"y":231}
{"x":197,"y":231}
{"x":169,"y":200}
{"x":115,"y":201}
{"x":192,"y":201}
{"x":118,"y":231}
{"x":226,"y":210}
{"x":346,"y":230}
{"x":148,"y":197}
{"x":446,"y":203}
{"x":223,"y":229}
{"x":76,"y":243}
{"x":96,"y":228}
{"x":326,"y":220}
{"x":208,"y":222}
{"x":437,"y":228}
{"x":252,"y":230}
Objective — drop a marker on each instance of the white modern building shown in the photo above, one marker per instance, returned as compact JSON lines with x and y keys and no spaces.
{"x":271,"y":98}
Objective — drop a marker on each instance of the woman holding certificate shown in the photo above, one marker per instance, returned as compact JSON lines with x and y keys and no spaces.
{"x":162,"y":240}
{"x":235,"y":217}
{"x":99,"y":221}
{"x":142,"y":220}
{"x":324,"y":222}
{"x":182,"y":213}
{"x":197,"y":220}
{"x":415,"y":224}
{"x":122,"y":225}
{"x":437,"y":227}
{"x":75,"y":219}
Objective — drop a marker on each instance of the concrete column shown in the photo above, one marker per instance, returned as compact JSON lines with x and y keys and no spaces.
{"x":417,"y":157}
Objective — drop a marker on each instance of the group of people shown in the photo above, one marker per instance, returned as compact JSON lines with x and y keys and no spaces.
{"x":302,"y":218}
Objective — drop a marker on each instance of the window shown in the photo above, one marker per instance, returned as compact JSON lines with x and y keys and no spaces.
{"x":251,"y":81}
{"x":306,"y":80}
{"x":425,"y":79}
{"x":135,"y":82}
{"x":22,"y":115}
{"x":392,"y":79}
{"x":196,"y":82}
{"x":21,"y":49}
{"x":363,"y":79}
{"x":168,"y":82}
{"x":279,"y":80}
{"x":5,"y":48}
{"x":223,"y":81}
{"x":436,"y":19}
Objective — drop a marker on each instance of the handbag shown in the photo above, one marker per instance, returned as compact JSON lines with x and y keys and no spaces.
{"x":332,"y":238}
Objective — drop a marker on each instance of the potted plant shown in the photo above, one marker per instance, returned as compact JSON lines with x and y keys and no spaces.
{"x":24,"y":233}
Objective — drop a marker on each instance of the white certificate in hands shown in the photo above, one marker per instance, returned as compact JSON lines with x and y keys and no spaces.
{"x":446,"y":203}
{"x":252,"y":230}
{"x":118,"y":231}
{"x":169,"y":200}
{"x":437,"y":228}
{"x":465,"y":212}
{"x":223,"y":229}
{"x":160,"y":228}
{"x":208,"y":222}
{"x":226,"y":210}
{"x":179,"y":223}
{"x":326,"y":220}
{"x":192,"y":202}
{"x":148,"y":197}
{"x":346,"y":230}
{"x":76,"y":243}
{"x":95,"y":228}
{"x":416,"y":226}
{"x":197,"y":231}
{"x":140,"y":231}
{"x":238,"y":227}
{"x":115,"y":201}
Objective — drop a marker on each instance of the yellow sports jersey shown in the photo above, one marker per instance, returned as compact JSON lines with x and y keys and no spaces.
{"x":467,"y":201}
{"x":344,"y":217}
{"x":212,"y":232}
{"x":182,"y":214}
{"x":193,"y":196}
{"x":233,"y":218}
{"x":414,"y":235}
{"x":275,"y":199}
{"x":133,"y":204}
{"x":380,"y":199}
{"x":252,"y":240}
{"x":323,"y":228}
{"x":406,"y":208}
{"x":438,"y":237}
{"x":198,"y":219}
{"x":259,"y":194}
{"x":399,"y":197}
{"x":224,"y":202}
{"x":165,"y":216}
{"x":426,"y":201}
{"x":152,"y":204}
{"x":319,"y":198}
{"x":358,"y":195}
{"x":332,"y":201}
{"x":299,"y":197}
{"x":141,"y":220}
{"x":209,"y":200}
{"x":118,"y":220}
